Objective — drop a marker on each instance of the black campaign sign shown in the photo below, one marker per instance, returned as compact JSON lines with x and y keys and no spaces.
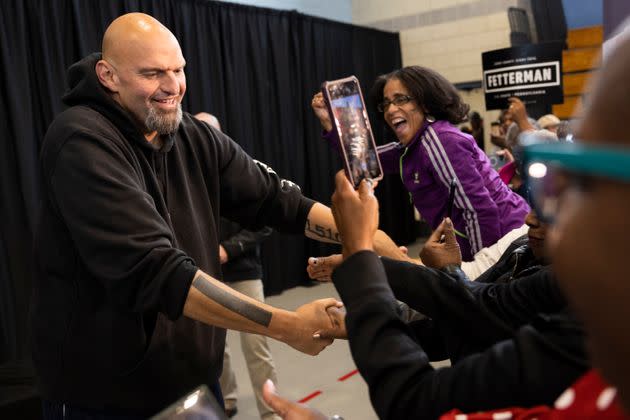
{"x":531,"y":72}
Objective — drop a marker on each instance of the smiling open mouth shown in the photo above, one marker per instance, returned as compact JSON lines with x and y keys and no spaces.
{"x":399,"y":124}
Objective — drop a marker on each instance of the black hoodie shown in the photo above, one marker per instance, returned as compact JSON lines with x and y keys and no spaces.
{"x":123,"y":229}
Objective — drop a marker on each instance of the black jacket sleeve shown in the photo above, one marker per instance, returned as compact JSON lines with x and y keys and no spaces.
{"x":398,"y":373}
{"x":245,"y":240}
{"x":443,"y":296}
{"x":253,"y":194}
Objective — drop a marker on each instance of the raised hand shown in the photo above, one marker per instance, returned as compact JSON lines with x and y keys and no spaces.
{"x":321,"y":268}
{"x":356,"y":214}
{"x":321,"y":111}
{"x":441,"y":249}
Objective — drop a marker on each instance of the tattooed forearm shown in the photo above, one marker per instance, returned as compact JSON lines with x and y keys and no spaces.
{"x":231,"y":302}
{"x":322,"y":232}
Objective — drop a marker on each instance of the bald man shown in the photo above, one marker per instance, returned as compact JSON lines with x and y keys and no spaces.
{"x":128,"y":310}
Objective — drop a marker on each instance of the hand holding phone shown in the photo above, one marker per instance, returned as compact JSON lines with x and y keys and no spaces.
{"x":321,"y":111}
{"x":349,"y":116}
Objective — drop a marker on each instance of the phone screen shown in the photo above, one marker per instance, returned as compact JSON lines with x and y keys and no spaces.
{"x":348,"y":111}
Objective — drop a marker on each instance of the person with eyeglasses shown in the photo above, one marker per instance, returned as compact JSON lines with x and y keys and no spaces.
{"x":582,"y":189}
{"x":502,"y":338}
{"x":420,"y":108}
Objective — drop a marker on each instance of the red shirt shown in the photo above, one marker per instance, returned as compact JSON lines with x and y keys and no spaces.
{"x":589,"y":398}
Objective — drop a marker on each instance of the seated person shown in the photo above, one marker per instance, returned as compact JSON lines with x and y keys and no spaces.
{"x":524,"y":256}
{"x":589,"y":208}
{"x":500,"y":346}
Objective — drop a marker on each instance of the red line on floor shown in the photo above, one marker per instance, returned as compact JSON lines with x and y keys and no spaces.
{"x":310,"y":397}
{"x":347,"y":375}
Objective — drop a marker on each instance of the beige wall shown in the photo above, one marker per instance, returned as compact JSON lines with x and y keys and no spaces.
{"x":445,"y":35}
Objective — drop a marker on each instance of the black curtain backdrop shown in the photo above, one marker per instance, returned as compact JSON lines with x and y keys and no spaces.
{"x":255,"y":69}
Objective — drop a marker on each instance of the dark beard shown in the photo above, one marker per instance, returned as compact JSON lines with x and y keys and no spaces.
{"x":163,"y":122}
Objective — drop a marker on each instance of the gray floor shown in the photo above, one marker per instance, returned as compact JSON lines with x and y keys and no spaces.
{"x":300,"y":375}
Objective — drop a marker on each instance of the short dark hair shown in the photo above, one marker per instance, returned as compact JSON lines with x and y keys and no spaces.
{"x":431,"y":91}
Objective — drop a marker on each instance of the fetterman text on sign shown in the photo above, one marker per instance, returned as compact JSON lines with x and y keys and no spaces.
{"x":531,"y":72}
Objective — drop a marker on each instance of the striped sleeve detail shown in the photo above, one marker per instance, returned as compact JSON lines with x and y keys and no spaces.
{"x":387,"y":147}
{"x":444,"y":176}
{"x":473,"y":229}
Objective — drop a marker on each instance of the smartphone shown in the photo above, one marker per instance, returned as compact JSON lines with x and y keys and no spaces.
{"x":347,"y":109}
{"x":451,"y":198}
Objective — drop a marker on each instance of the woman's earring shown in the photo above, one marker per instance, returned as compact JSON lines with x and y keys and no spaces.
{"x":430,"y":118}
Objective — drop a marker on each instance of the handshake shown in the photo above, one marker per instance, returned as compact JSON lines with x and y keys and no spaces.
{"x":315,"y":325}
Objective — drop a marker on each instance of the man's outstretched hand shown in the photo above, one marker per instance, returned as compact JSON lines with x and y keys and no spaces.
{"x":309,"y":319}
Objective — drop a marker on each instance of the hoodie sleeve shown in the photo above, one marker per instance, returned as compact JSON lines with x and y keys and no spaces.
{"x":453,"y":157}
{"x":254,"y":195}
{"x":121,"y":239}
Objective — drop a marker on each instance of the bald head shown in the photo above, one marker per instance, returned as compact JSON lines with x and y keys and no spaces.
{"x":609,"y":104}
{"x":132,"y":34}
{"x":143,"y":70}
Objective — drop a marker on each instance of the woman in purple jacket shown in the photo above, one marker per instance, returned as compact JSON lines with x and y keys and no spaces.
{"x":420,"y":108}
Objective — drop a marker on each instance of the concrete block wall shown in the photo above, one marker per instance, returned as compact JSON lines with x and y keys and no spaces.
{"x":445,"y":35}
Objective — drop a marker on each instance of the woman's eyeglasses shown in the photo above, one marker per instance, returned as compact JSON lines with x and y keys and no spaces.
{"x":398,"y":101}
{"x":549,"y":169}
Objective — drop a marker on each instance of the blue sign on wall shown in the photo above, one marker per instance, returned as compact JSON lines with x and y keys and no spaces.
{"x":583,"y":13}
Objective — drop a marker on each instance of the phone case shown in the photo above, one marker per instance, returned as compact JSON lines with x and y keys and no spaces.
{"x":347,"y":109}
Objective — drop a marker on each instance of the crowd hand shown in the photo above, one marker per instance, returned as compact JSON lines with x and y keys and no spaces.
{"x":312,"y":317}
{"x":321,"y":111}
{"x":321,"y":268}
{"x":337,"y":316}
{"x":507,"y":154}
{"x":356,"y":214}
{"x":223,"y":256}
{"x":288,"y":410}
{"x":441,"y":249}
{"x":519,"y":112}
